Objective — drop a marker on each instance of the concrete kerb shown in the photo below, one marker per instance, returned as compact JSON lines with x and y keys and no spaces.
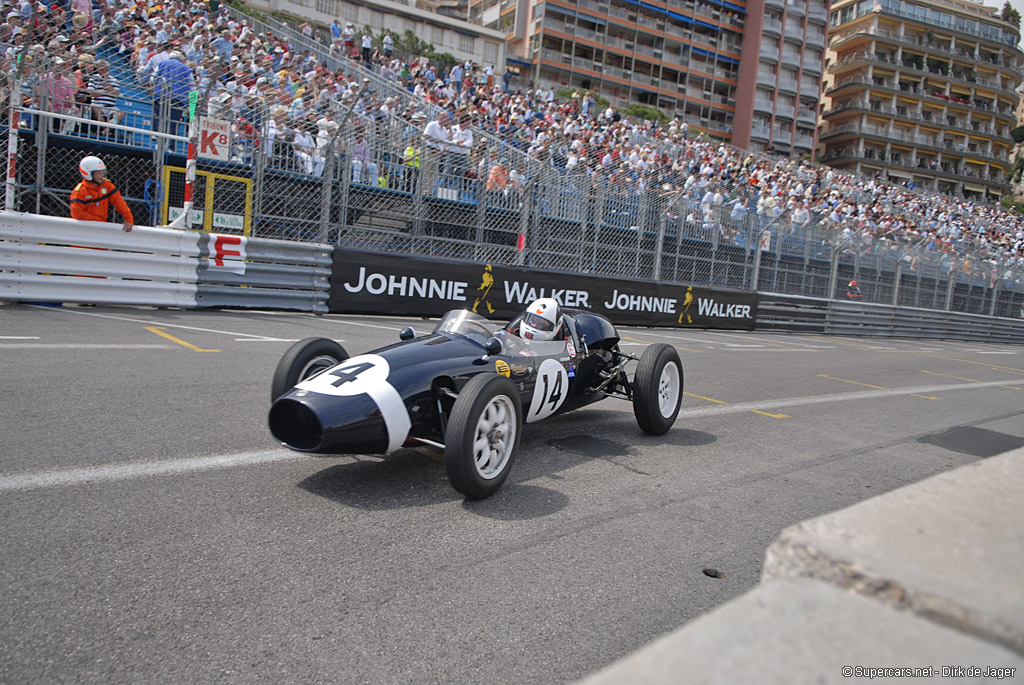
{"x":927,"y":576}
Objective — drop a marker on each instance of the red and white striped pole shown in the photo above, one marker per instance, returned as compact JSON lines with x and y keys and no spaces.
{"x":12,"y":145}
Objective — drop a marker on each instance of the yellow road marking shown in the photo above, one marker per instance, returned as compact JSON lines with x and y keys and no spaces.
{"x":649,"y":342}
{"x":752,"y":411}
{"x":701,"y":397}
{"x":994,"y":367}
{"x":160,"y":331}
{"x":969,"y":380}
{"x":924,"y":396}
{"x":866,"y":385}
{"x":959,"y":378}
{"x":847,"y":342}
{"x":774,"y":416}
{"x":764,"y":342}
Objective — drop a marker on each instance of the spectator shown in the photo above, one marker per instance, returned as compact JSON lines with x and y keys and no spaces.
{"x":435,"y":144}
{"x":367,"y":47}
{"x":348,"y":39}
{"x":104,"y":90}
{"x":305,"y":150}
{"x":174,"y":81}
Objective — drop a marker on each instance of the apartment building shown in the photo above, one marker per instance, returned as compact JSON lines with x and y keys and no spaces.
{"x":679,"y":56}
{"x":922,"y":91}
{"x":439,"y":22}
{"x":780,"y":77}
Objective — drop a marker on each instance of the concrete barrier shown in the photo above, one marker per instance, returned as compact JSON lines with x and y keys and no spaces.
{"x":927,"y":578}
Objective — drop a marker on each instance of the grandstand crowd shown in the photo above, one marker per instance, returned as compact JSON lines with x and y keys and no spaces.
{"x":79,"y":57}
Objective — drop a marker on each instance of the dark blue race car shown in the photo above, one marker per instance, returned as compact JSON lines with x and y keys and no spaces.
{"x":466,"y":388}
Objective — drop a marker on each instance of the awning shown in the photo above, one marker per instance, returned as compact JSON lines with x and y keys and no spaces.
{"x":974,"y":189}
{"x":900,"y":174}
{"x":975,"y":161}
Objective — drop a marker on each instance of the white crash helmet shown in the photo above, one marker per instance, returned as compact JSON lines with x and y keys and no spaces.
{"x":541,"y":320}
{"x":90,"y":164}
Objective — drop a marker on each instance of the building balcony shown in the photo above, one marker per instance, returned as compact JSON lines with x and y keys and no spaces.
{"x":812,"y":66}
{"x":815,"y":40}
{"x":806,"y":116}
{"x":784,"y":137}
{"x":769,"y":53}
{"x":806,"y":142}
{"x":775,"y":4}
{"x":817,"y":15}
{"x":764,"y":106}
{"x":810,"y":91}
{"x":761,"y":132}
{"x":794,"y":33}
{"x":785,"y":111}
{"x":791,"y":59}
{"x":772,"y":27}
{"x":766,"y":79}
{"x":788,"y":85}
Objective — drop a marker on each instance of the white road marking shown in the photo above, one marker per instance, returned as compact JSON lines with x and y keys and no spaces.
{"x":271,"y":340}
{"x":79,"y":346}
{"x":366,"y":325}
{"x":153,"y":323}
{"x":125,"y":471}
{"x":646,"y":333}
{"x":980,"y":352}
{"x":765,"y":405}
{"x":19,"y":337}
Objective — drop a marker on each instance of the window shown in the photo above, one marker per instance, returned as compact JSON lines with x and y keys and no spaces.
{"x":491,"y":52}
{"x":467,"y":43}
{"x":325,"y":6}
{"x":437,"y":35}
{"x":350,"y":12}
{"x":377,"y":20}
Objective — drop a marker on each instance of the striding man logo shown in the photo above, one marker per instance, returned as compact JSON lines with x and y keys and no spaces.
{"x":687,"y":301}
{"x":486,"y":282}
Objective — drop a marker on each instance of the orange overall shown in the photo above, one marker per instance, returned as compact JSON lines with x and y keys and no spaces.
{"x":91,"y":202}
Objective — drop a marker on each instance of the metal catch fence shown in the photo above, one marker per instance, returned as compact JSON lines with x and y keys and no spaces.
{"x":355,"y":176}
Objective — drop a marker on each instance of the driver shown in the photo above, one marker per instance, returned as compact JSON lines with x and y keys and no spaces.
{"x":542,"y":320}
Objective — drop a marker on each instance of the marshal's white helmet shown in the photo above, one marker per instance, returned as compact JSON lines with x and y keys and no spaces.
{"x":541,"y":320}
{"x":90,"y":164}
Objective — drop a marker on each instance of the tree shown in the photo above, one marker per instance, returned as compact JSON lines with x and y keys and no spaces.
{"x":1011,"y":15}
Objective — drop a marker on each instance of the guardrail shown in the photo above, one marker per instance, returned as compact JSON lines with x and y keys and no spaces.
{"x":52,"y":259}
{"x":839,"y":317}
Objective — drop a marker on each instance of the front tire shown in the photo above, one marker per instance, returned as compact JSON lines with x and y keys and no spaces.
{"x":482,"y":437}
{"x":303,"y":360}
{"x":658,"y":389}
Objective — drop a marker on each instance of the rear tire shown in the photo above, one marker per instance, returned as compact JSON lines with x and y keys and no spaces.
{"x":303,"y":360}
{"x":482,"y":437}
{"x":658,"y":389}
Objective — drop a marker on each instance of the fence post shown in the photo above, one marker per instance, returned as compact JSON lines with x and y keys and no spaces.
{"x":833,"y":276}
{"x":951,"y":284}
{"x":328,"y":181}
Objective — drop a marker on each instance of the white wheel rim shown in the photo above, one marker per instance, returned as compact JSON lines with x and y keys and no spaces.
{"x":494,"y":437}
{"x":668,"y":389}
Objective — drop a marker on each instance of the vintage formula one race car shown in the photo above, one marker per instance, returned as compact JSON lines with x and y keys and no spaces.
{"x":466,"y":388}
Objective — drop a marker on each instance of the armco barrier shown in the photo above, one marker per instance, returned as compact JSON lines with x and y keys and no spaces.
{"x":53,"y":259}
{"x":236,"y":271}
{"x":838,"y":317}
